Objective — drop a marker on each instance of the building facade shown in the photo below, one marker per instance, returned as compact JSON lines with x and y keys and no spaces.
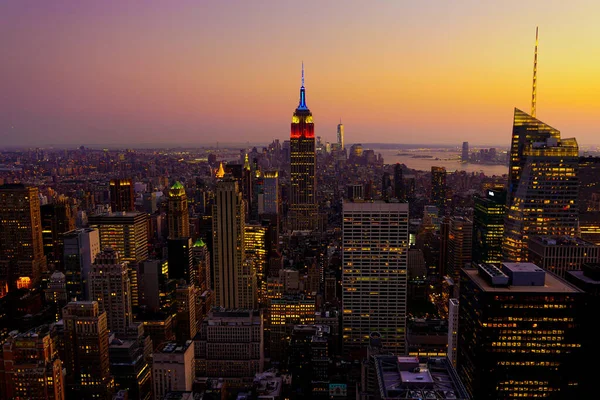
{"x":374,"y":273}
{"x":122,"y":197}
{"x":80,"y":248}
{"x":173,"y":368}
{"x":559,"y":254}
{"x":488,"y":226}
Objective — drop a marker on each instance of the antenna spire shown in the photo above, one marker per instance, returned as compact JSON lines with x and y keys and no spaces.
{"x":534,"y":88}
{"x":302,"y":73}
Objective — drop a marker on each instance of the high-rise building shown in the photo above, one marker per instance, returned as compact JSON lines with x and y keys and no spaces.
{"x":185,"y":296}
{"x":22,"y":259}
{"x":399,"y":183}
{"x":56,"y":293}
{"x":110,"y":287}
{"x":122,"y":197}
{"x":130,"y":367}
{"x":178,"y":218}
{"x":125,"y":232}
{"x":270,"y":199}
{"x":386,"y":186}
{"x":543,"y":200}
{"x":340,"y":135}
{"x":559,"y":254}
{"x":453,"y":310}
{"x":30,"y":366}
{"x":464,"y":157}
{"x":283,"y":314}
{"x":460,"y":244}
{"x":518,"y":334}
{"x":488,"y":226}
{"x":438,"y":188}
{"x":230,"y":345}
{"x":235,"y":281}
{"x":255,"y":246}
{"x":201,"y":257}
{"x":181,"y":259}
{"x":374,"y":273}
{"x":303,"y":163}
{"x":86,"y":351}
{"x":173,"y":368}
{"x":80,"y":248}
{"x":56,"y":220}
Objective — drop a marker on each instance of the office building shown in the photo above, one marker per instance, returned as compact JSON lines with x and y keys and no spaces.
{"x":438,"y":188}
{"x":130,"y":368}
{"x":22,"y":259}
{"x":543,"y":200}
{"x":173,"y":368}
{"x":374,"y":273}
{"x":201,"y":257}
{"x":122,"y":197}
{"x":518,"y":334}
{"x":56,"y":293}
{"x":283,"y":314}
{"x":464,"y":157}
{"x":255,"y":245}
{"x":399,"y":191}
{"x":30,"y":367}
{"x":86,"y":351}
{"x":488,"y":226}
{"x":178,"y":217}
{"x":181,"y":259}
{"x":460,"y":246}
{"x":185,"y":297}
{"x":270,"y":198}
{"x":56,"y":220}
{"x":589,"y":227}
{"x":110,"y":287}
{"x":124,"y":232}
{"x":588,"y":280}
{"x":230,"y":345}
{"x":559,"y":254}
{"x":340,"y":135}
{"x":453,"y":310}
{"x":80,"y":247}
{"x":235,"y":281}
{"x":303,"y":208}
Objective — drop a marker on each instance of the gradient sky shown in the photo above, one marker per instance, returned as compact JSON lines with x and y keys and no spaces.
{"x":181,"y":72}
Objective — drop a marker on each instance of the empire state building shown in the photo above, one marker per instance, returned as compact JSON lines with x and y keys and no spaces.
{"x":303,"y":210}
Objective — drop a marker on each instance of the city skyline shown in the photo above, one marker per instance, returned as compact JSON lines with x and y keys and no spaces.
{"x":118,"y":74}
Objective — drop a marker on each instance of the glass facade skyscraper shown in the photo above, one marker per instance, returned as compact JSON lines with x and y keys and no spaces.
{"x":488,"y":226}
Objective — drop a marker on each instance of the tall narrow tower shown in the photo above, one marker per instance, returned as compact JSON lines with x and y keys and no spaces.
{"x":534,"y":87}
{"x":179,"y":222}
{"x":303,"y":161}
{"x":235,"y":281}
{"x":340,"y":134}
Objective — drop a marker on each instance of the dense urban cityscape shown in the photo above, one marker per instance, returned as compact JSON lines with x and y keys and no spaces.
{"x":302,"y":268}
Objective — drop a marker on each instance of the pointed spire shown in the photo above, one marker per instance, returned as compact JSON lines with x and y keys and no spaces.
{"x":221,"y":171}
{"x":246,"y":163}
{"x":302,"y":104}
{"x":534,"y":88}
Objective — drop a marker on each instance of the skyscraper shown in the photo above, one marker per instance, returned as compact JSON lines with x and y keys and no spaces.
{"x":399,"y":183}
{"x":488,"y":226}
{"x":125,"y":232}
{"x":303,"y":161}
{"x":518,"y":334}
{"x":460,"y":245}
{"x":22,"y":259}
{"x":235,"y":281}
{"x":374,"y":277}
{"x":86,"y":351}
{"x":122,"y":197}
{"x":464,"y":157}
{"x":56,"y":220}
{"x":340,"y":135}
{"x":178,"y":218}
{"x":270,"y":199}
{"x":544,"y":198}
{"x":80,"y":248}
{"x":111,"y":288}
{"x":559,"y":254}
{"x":438,"y":188}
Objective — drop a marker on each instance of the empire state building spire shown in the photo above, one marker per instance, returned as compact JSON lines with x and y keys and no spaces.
{"x":302,"y":104}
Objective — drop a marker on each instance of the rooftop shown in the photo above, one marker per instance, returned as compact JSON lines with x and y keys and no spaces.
{"x":174,"y":348}
{"x":560,"y":241}
{"x":552,"y":284}
{"x":407,"y":378}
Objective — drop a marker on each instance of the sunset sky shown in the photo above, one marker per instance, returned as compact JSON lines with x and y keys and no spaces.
{"x":198,"y":72}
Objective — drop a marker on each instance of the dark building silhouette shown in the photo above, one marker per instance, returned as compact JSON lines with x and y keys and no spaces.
{"x":122,"y":197}
{"x":488,"y":226}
